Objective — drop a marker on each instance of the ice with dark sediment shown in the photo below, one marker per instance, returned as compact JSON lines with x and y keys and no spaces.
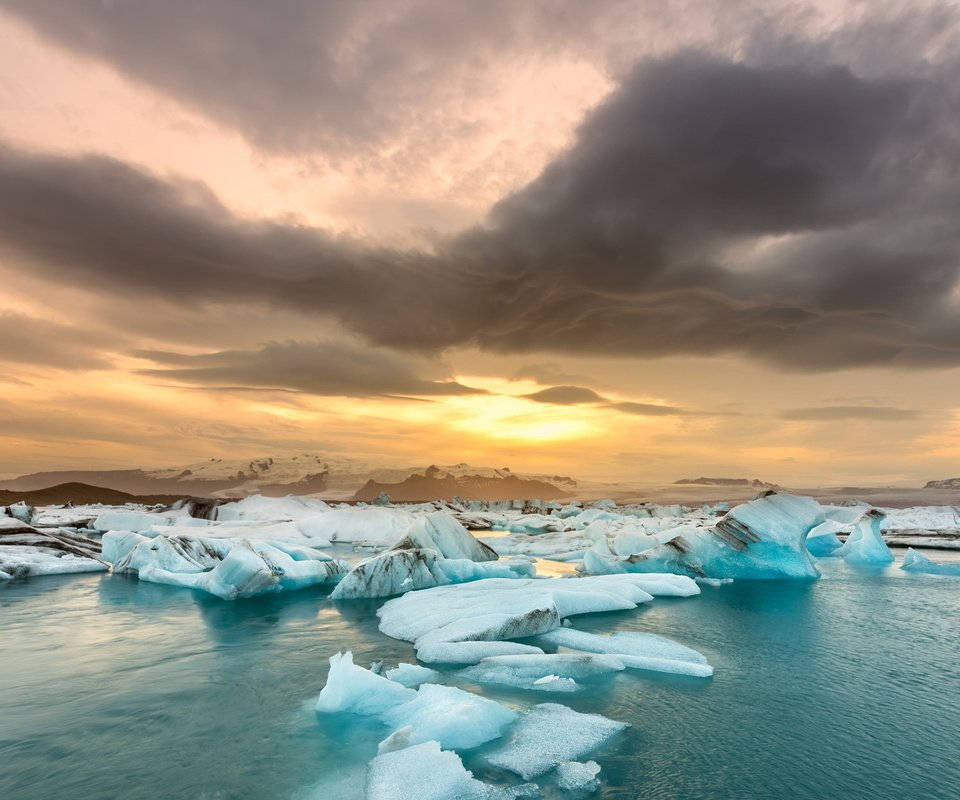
{"x":762,"y":539}
{"x":229,"y":569}
{"x":496,"y":609}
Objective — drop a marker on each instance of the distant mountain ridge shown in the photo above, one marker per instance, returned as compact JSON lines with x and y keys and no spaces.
{"x":946,"y":483}
{"x":757,"y":483}
{"x":306,"y":473}
{"x":437,"y":484}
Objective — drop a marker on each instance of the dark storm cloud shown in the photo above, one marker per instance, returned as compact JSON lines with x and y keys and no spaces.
{"x":299,"y":74}
{"x":851,"y":413}
{"x":45,"y":343}
{"x":321,"y":368}
{"x":800,"y":214}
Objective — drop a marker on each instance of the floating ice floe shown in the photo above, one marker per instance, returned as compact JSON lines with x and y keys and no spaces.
{"x":453,"y":717}
{"x":227,"y":568}
{"x":865,"y":545}
{"x":470,"y":652}
{"x":762,"y":539}
{"x":412,"y":675}
{"x":496,"y":609}
{"x":915,"y":562}
{"x":636,"y":650}
{"x":26,"y":551}
{"x":548,"y":735}
{"x":426,"y":772}
{"x":556,"y":672}
{"x":576,"y":776}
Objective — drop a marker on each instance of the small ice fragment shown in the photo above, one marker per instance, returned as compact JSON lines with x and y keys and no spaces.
{"x":578,"y":776}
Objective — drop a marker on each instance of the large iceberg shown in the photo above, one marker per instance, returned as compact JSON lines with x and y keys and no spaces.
{"x":865,"y":545}
{"x":434,"y":551}
{"x":227,"y":568}
{"x":496,"y":609}
{"x":762,"y":539}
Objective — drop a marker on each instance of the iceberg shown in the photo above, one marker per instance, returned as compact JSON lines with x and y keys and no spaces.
{"x":26,"y":551}
{"x":548,"y":735}
{"x":915,"y":562}
{"x":495,"y":609}
{"x":865,"y":545}
{"x":635,"y":650}
{"x":762,"y":539}
{"x":432,"y":712}
{"x":426,"y":772}
{"x":399,"y":571}
{"x":229,"y":569}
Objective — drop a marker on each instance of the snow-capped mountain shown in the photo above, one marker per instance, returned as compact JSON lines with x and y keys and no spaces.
{"x":333,"y":477}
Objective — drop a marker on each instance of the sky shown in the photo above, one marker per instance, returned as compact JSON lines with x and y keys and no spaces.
{"x":616,"y":240}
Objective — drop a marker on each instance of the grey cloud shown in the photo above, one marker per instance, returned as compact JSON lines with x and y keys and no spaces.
{"x":579,"y":395}
{"x":565,"y":395}
{"x":298,"y":74}
{"x":28,"y":340}
{"x":801,"y":215}
{"x":851,"y":413}
{"x":647,"y":409}
{"x":321,"y":368}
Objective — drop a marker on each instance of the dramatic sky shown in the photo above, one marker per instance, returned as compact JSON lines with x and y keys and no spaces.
{"x":640,"y":240}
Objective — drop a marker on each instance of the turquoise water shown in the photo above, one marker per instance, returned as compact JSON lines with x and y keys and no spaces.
{"x":844,"y":688}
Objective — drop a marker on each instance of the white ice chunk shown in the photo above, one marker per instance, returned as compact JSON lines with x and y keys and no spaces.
{"x":549,"y":672}
{"x":426,"y":772}
{"x":915,"y":562}
{"x":762,"y":539}
{"x":403,"y":570}
{"x":227,"y":568}
{"x":412,"y":675}
{"x":549,"y":734}
{"x":865,"y":545}
{"x":636,"y":650}
{"x":350,"y":687}
{"x":470,"y":652}
{"x":432,"y":712}
{"x":575,"y":776}
{"x":451,"y":716}
{"x":496,"y":609}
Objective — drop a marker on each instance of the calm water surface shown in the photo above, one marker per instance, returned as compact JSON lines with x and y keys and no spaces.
{"x":844,"y":688}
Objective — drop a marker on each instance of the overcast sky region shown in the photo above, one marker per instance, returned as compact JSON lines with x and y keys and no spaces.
{"x":619,"y":240}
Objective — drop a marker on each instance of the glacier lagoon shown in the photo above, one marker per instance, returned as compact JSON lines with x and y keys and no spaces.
{"x":117,"y":688}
